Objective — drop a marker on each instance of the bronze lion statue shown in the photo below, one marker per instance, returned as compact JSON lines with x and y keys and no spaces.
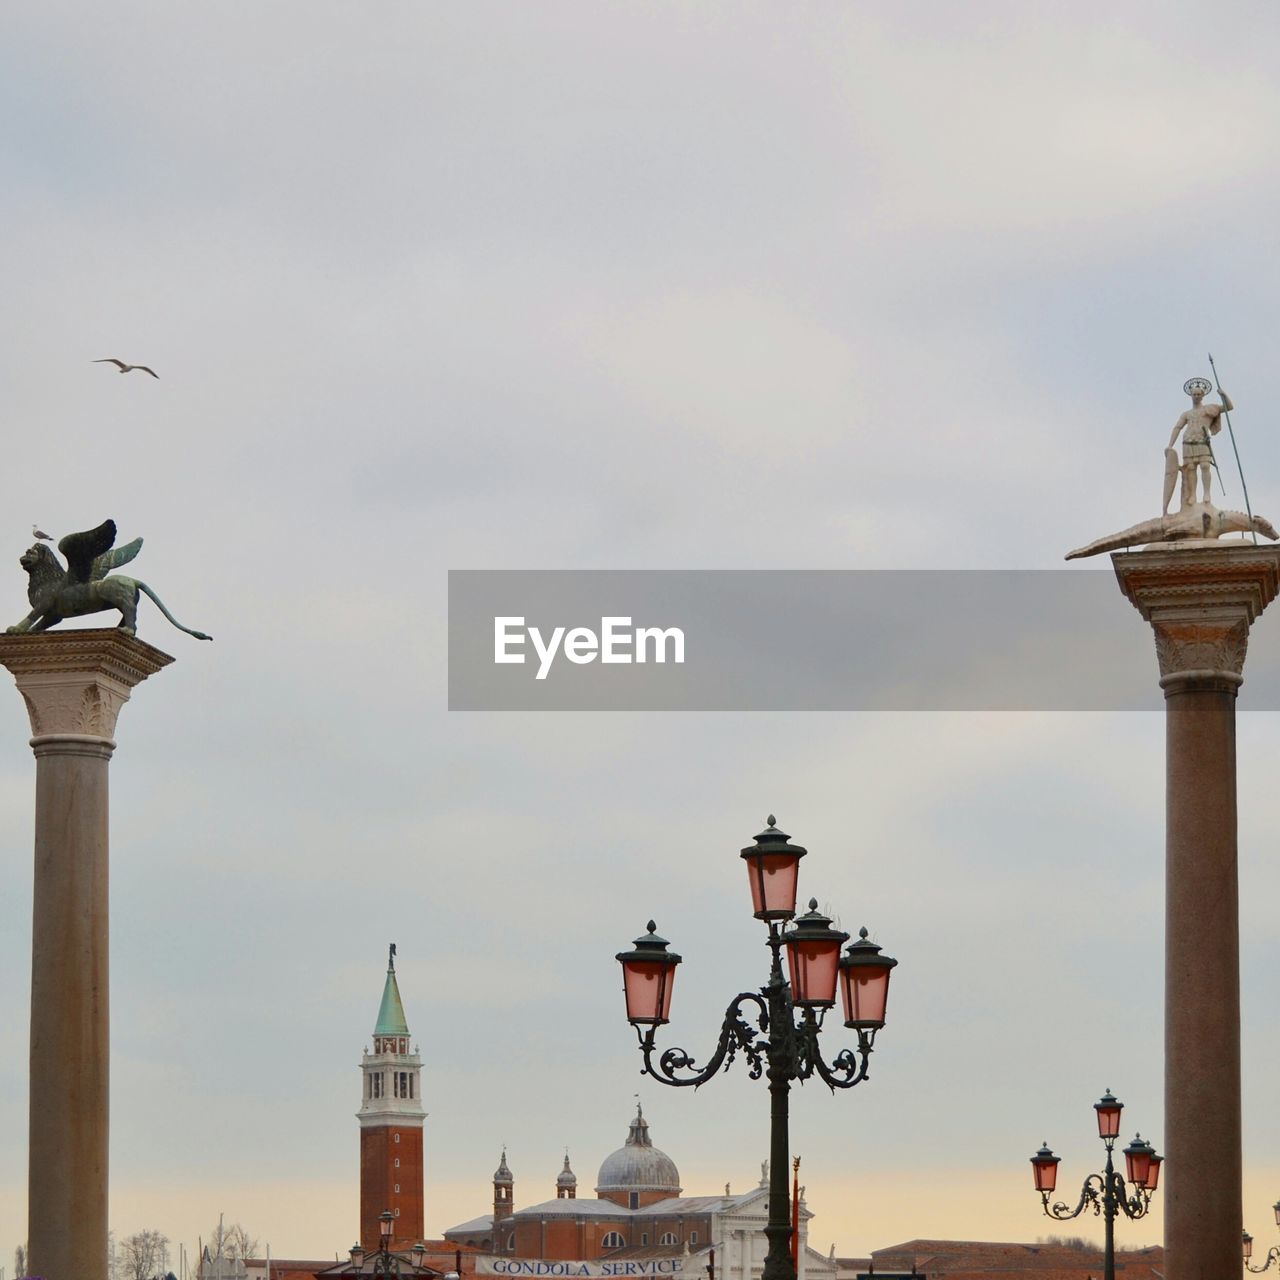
{"x":82,"y":586}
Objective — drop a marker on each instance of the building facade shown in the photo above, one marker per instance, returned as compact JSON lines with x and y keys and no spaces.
{"x":640,"y":1214}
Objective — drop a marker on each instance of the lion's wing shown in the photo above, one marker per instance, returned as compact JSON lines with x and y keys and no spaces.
{"x":82,"y":549}
{"x":103,"y":564}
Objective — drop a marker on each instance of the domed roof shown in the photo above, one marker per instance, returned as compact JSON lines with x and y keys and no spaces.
{"x":502,"y":1175}
{"x":638,"y":1165}
{"x":567,"y":1177}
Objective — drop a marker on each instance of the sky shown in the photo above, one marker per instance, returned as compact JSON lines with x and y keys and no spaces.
{"x":609,"y":286}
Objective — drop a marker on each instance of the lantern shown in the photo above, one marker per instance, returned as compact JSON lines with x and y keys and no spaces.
{"x":1044,"y":1168}
{"x":1153,"y":1172}
{"x":357,"y":1256}
{"x":1277,"y":1209}
{"x":1137,"y":1159}
{"x":1108,"y":1110}
{"x":864,"y":983}
{"x":813,"y":952}
{"x":1246,"y":1243}
{"x":773,"y":866}
{"x":385,"y":1220}
{"x":419,"y":1252}
{"x":648,"y":973}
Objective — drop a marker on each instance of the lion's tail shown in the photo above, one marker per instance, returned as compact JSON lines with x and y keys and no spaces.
{"x":159,"y":604}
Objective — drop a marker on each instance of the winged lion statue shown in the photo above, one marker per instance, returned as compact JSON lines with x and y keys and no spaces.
{"x":83,"y":585}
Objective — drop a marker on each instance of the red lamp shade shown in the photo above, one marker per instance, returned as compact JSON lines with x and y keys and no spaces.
{"x":385,"y":1219}
{"x":773,"y":866}
{"x":813,"y":953}
{"x":1137,"y":1159}
{"x":864,"y":983}
{"x":1108,"y":1110}
{"x":1246,"y":1244}
{"x":1044,"y":1168}
{"x":1153,"y":1172}
{"x":1276,"y":1206}
{"x":648,"y":974}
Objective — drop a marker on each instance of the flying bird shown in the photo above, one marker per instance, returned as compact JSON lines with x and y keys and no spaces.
{"x":39,"y":534}
{"x":126,"y":368}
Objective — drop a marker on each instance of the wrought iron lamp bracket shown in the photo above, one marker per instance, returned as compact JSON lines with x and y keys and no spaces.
{"x":1092,"y":1195}
{"x":737,"y":1035}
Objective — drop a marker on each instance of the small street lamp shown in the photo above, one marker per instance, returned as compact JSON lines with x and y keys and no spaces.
{"x":1273,"y":1254}
{"x":778,"y":1036}
{"x":1104,"y":1192}
{"x":386,"y":1263}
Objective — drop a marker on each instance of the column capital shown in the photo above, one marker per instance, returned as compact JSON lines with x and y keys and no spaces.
{"x":1200,"y":602}
{"x":75,"y":682}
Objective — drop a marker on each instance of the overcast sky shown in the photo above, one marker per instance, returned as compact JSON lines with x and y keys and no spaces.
{"x":604,"y":285}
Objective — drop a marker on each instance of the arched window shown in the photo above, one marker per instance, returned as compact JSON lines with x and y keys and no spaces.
{"x":693,"y":1237}
{"x":511,"y":1241}
{"x":612,"y":1240}
{"x":668,"y":1237}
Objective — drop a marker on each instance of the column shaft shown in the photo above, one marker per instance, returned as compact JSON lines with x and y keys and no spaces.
{"x":67,"y":1160}
{"x":1202,"y":985}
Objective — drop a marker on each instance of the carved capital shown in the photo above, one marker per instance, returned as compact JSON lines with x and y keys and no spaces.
{"x":75,"y":682}
{"x":1213,"y":649}
{"x":1200,"y":602}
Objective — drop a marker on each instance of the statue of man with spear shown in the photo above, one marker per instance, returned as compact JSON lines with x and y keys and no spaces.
{"x":1196,"y":523}
{"x":1195,"y":426}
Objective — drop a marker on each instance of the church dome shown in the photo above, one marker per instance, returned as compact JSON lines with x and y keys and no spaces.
{"x":566,"y":1178}
{"x":638,"y":1165}
{"x":502,"y":1176}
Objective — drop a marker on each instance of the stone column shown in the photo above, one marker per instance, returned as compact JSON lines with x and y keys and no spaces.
{"x":74,"y":684}
{"x":1201,"y":601}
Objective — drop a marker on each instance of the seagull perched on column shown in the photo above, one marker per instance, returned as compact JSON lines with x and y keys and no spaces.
{"x":126,"y":368}
{"x":39,"y":534}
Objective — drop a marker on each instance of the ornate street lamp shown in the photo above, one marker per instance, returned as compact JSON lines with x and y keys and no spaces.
{"x":1273,"y":1254}
{"x":1104,"y":1192}
{"x":778,"y":1034}
{"x":386,"y":1263}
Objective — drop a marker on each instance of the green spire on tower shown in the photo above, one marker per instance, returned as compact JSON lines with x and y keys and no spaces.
{"x":391,"y":1020}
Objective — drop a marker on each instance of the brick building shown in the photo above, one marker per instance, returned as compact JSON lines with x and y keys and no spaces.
{"x":993,"y":1260}
{"x":640,"y":1213}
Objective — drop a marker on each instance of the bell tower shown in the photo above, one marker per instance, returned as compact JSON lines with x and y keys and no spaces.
{"x":391,"y":1118}
{"x":503,"y":1195}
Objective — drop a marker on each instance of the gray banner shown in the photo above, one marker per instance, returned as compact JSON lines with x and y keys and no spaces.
{"x":808,"y":640}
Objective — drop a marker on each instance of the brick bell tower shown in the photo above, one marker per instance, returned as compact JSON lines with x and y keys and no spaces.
{"x":503,"y":1205}
{"x":391,"y":1118}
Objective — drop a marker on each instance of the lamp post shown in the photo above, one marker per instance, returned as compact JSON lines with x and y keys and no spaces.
{"x":1273,"y":1254}
{"x":778,"y":1033}
{"x":1104,"y":1192}
{"x":386,"y":1263}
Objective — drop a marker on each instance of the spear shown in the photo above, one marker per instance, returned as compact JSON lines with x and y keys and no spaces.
{"x":1226,"y":413}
